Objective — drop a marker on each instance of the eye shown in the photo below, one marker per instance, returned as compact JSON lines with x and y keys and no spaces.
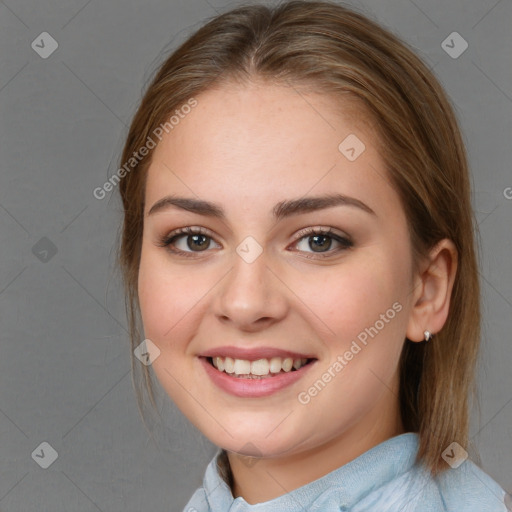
{"x":192,"y":240}
{"x":320,"y":241}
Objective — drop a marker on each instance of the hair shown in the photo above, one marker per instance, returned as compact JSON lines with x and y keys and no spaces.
{"x":330,"y":49}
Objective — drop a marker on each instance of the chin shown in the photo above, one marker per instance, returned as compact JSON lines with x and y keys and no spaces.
{"x":256,"y":445}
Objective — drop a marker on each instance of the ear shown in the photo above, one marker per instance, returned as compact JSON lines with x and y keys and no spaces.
{"x":432,"y":291}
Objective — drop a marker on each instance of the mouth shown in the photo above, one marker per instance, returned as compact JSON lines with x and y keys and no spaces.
{"x":260,"y":368}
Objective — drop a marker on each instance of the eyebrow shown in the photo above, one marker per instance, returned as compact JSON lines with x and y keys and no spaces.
{"x":281,"y":210}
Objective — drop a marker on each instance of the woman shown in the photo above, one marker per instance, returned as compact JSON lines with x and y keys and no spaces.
{"x":298,"y":239}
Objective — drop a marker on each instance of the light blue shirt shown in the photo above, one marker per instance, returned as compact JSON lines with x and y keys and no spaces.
{"x":383,"y":479}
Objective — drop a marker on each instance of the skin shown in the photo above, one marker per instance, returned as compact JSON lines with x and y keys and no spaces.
{"x":248,"y":147}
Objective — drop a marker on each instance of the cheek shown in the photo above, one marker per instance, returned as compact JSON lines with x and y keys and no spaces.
{"x":352,"y":297}
{"x":173,"y":298}
{"x":154,"y":298}
{"x":167,"y":310}
{"x":164,"y":297}
{"x":362,"y":304}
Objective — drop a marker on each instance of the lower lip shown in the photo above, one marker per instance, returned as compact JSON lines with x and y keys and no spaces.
{"x":253,"y":388}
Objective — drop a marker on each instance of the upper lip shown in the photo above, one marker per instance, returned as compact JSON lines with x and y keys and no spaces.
{"x":253,"y":354}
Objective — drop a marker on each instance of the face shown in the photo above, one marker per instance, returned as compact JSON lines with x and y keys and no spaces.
{"x":329,"y":282}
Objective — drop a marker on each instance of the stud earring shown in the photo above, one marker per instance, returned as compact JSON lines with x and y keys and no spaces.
{"x":428,"y":336}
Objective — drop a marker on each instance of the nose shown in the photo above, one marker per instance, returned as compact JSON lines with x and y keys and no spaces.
{"x":251,"y":296}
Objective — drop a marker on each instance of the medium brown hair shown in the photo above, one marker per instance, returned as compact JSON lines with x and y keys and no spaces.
{"x":330,"y":49}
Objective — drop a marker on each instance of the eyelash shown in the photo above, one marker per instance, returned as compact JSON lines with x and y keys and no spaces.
{"x":169,"y":239}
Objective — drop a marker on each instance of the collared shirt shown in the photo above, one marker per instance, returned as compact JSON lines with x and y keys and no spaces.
{"x":383,"y":479}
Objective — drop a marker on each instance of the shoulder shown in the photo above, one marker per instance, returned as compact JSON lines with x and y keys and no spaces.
{"x":215,"y":493}
{"x":469,"y":488}
{"x":464,"y":489}
{"x":198,"y":502}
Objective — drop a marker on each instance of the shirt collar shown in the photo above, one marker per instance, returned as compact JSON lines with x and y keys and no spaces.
{"x":341,"y":488}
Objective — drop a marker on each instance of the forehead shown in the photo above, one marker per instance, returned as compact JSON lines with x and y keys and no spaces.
{"x":266,"y":143}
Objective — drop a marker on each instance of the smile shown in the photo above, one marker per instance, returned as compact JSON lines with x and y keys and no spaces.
{"x":263,"y":382}
{"x":261,"y":368}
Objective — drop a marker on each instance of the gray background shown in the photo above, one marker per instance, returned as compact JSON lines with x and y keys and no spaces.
{"x":64,"y":364}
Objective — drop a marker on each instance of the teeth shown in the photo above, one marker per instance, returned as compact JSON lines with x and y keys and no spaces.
{"x":275,"y":365}
{"x":242,"y":367}
{"x":229,"y":365}
{"x":218,"y":362}
{"x":260,"y":367}
{"x":287,"y":364}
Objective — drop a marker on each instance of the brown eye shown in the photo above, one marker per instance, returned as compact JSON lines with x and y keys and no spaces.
{"x":320,"y":241}
{"x":187,"y":241}
{"x":200,"y":242}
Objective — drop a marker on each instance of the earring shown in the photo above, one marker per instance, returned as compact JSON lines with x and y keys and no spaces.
{"x":428,"y":336}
